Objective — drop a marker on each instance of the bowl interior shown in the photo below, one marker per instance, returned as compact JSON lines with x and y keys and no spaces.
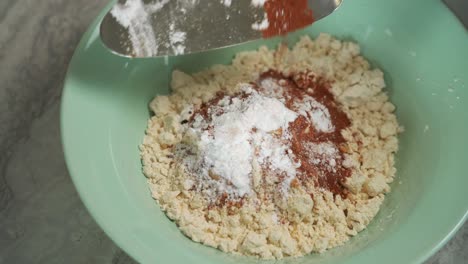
{"x":104,"y":115}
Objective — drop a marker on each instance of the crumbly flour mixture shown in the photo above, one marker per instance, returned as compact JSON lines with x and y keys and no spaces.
{"x":283,"y":153}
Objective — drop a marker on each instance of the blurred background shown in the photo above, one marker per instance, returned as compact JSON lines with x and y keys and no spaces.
{"x":42,"y":219}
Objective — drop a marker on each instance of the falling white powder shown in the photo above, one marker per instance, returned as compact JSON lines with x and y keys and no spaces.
{"x":227,"y":3}
{"x":316,"y":112}
{"x":258,"y":3}
{"x":264,"y":24}
{"x":155,"y":5}
{"x":135,"y":16}
{"x":177,"y":40}
{"x":225,"y":153}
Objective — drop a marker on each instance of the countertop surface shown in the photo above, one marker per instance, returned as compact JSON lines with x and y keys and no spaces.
{"x":42,"y":219}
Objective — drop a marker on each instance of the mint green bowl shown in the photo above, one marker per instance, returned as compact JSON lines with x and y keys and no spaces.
{"x":423,"y":50}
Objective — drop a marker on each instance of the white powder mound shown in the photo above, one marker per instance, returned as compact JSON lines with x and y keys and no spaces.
{"x":225,"y":154}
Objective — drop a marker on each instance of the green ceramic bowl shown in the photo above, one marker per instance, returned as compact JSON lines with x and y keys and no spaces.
{"x":423,"y":50}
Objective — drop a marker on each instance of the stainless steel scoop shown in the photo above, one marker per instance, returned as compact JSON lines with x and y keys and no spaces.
{"x":153,"y":28}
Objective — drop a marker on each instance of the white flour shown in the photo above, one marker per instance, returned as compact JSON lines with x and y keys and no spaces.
{"x":258,"y":3}
{"x":227,"y":3}
{"x":324,"y":154}
{"x":264,"y":24}
{"x":224,"y":155}
{"x":136,"y":17}
{"x":272,"y":88}
{"x":316,"y":112}
{"x":177,"y":40}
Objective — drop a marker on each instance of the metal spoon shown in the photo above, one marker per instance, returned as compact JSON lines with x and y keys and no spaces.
{"x":153,"y":28}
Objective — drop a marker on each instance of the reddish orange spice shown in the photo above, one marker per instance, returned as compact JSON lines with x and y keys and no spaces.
{"x":286,"y":15}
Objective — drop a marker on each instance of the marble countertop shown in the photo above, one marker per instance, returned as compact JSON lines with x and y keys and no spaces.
{"x":42,"y":219}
